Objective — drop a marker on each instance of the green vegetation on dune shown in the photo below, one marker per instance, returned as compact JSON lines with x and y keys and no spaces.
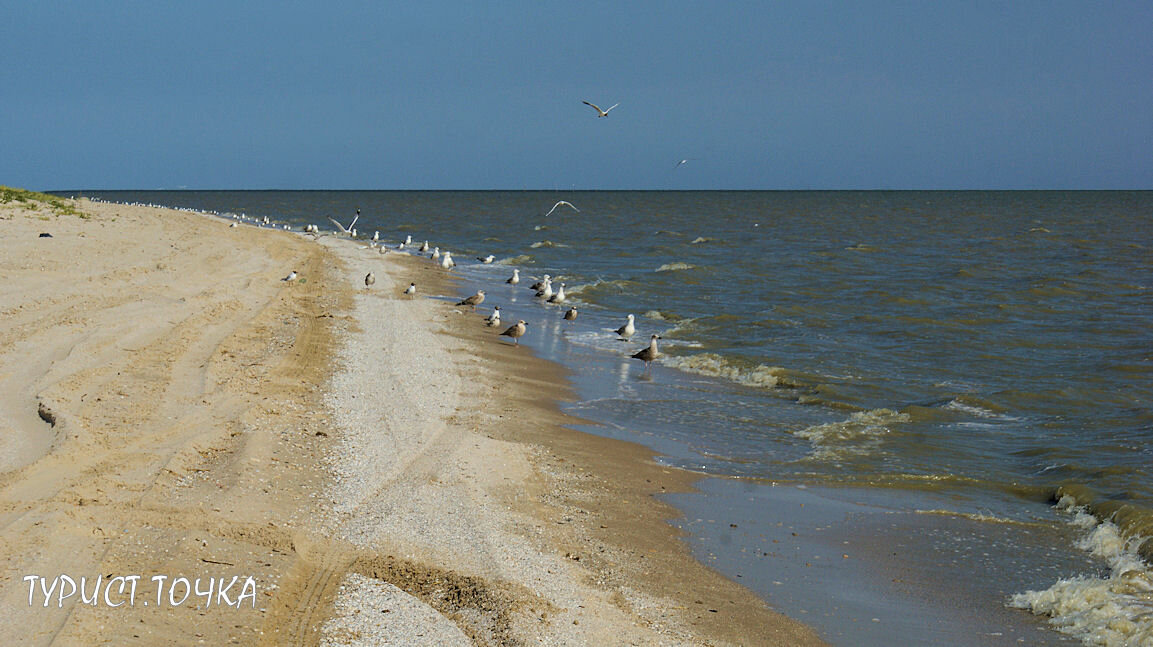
{"x":29,"y":198}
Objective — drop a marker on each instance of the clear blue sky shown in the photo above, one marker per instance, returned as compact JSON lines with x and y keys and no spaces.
{"x":437,"y":95}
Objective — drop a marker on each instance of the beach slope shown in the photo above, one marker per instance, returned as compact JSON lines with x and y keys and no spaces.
{"x":213,"y":454}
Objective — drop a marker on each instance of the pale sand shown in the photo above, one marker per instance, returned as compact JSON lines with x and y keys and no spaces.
{"x":384,"y":468}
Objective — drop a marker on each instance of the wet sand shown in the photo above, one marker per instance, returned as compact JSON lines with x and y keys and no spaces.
{"x":381,"y":468}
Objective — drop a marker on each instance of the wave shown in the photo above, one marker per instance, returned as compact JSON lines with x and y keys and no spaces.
{"x":860,"y":434}
{"x":658,"y":315}
{"x":701,"y":239}
{"x":1114,"y":609}
{"x":546,"y":243}
{"x":601,"y":286}
{"x":523,"y":259}
{"x":713,"y":365}
{"x":673,"y":267}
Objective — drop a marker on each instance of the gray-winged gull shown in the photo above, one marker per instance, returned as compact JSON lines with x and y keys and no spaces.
{"x":516,"y":331}
{"x":649,"y":353}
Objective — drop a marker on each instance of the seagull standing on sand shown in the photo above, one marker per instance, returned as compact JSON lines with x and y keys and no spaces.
{"x":410,"y":290}
{"x":446,"y":261}
{"x":493,"y":319}
{"x":559,"y":296}
{"x":474,"y":300}
{"x":291,"y":276}
{"x":516,"y":331}
{"x":369,"y":279}
{"x":600,"y":113}
{"x":424,"y":247}
{"x":515,"y":278}
{"x":571,"y":315}
{"x":627,"y":330}
{"x":435,"y":255}
{"x":647,"y":355}
{"x":559,"y":203}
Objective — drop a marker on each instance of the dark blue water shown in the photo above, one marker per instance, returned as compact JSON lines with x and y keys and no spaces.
{"x":975,"y":354}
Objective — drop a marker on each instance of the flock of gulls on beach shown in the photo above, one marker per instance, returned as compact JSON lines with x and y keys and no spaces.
{"x":543,"y":289}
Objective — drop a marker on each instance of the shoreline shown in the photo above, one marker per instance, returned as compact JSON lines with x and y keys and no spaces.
{"x":210,"y":450}
{"x":589,"y":538}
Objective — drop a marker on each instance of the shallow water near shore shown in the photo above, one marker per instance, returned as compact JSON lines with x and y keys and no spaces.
{"x":931,"y":366}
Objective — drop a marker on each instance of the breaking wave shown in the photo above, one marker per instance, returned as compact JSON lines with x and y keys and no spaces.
{"x":713,"y":365}
{"x":673,"y":267}
{"x":1114,"y":609}
{"x":523,"y":259}
{"x":860,"y":434}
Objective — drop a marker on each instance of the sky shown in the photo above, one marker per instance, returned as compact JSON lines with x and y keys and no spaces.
{"x":466,"y":95}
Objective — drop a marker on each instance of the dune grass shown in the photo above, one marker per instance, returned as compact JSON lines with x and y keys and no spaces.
{"x":29,"y":200}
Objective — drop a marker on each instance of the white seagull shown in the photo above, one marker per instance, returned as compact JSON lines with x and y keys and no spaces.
{"x":627,"y":330}
{"x":559,"y":296}
{"x":515,"y":278}
{"x":545,"y":292}
{"x":541,"y":283}
{"x":486,"y":259}
{"x":410,"y":290}
{"x":600,"y":113}
{"x":369,"y":279}
{"x":446,"y":261}
{"x":346,"y":230}
{"x":493,"y":319}
{"x":559,"y":203}
{"x":291,"y":276}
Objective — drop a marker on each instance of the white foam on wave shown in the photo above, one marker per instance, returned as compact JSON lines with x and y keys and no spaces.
{"x":860,"y":434}
{"x":523,"y":259}
{"x":1115,"y":610}
{"x":674,"y":267}
{"x":713,"y":365}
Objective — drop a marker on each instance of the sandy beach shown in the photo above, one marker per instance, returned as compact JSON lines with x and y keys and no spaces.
{"x":213,"y":455}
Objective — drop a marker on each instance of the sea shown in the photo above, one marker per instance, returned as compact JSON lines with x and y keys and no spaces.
{"x":920,"y":418}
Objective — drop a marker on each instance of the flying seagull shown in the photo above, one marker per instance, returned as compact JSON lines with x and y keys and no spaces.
{"x":346,"y":230}
{"x":559,"y":203}
{"x":600,"y":113}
